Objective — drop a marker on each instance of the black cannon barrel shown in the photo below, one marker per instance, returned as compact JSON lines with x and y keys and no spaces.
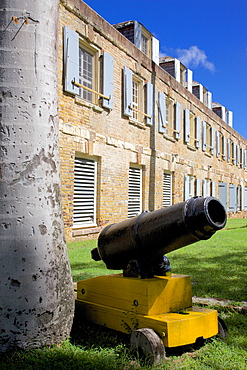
{"x":151,"y":235}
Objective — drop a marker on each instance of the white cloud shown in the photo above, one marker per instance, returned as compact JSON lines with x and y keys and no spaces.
{"x":194,"y":57}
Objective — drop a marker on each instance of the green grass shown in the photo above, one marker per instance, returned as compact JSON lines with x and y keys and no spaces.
{"x":217,"y":268}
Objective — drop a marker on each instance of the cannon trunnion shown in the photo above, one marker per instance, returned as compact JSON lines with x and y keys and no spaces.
{"x":147,"y":301}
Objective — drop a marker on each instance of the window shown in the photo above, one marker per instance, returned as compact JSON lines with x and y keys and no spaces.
{"x":133,"y":94}
{"x":144,"y":44}
{"x":169,"y":116}
{"x":191,"y":129}
{"x":81,"y":70}
{"x":135,"y":192}
{"x":207,"y":138}
{"x":86,"y":73}
{"x":220,"y":146}
{"x":167,"y":189}
{"x":84,"y":192}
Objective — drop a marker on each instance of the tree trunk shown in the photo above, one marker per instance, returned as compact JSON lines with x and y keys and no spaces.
{"x":36,"y":292}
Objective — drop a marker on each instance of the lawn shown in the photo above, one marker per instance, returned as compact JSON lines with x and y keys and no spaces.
{"x":218,"y":270}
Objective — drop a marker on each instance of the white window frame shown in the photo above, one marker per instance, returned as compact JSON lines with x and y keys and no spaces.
{"x":85,"y":192}
{"x":94,"y":54}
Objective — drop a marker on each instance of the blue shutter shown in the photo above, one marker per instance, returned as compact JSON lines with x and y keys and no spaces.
{"x":244,"y":158}
{"x":228,"y":150}
{"x":233,"y":198}
{"x":108,"y":65}
{"x":212,"y":131}
{"x":127,"y":85}
{"x":149,"y":108}
{"x":245,"y":198}
{"x":186,"y":125}
{"x":223,"y":147}
{"x":137,"y":34}
{"x":177,"y":120}
{"x":213,"y":188}
{"x":162,"y":112}
{"x":233,"y":153}
{"x":71,"y":60}
{"x":204,"y":136}
{"x":222,"y":194}
{"x":198,"y":187}
{"x":198,"y":131}
{"x":217,"y":144}
{"x":186,"y":187}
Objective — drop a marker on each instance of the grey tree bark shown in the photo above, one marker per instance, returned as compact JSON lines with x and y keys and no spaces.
{"x":36,"y":292}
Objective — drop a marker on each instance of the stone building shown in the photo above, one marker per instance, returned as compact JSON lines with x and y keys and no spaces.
{"x":136,"y":133}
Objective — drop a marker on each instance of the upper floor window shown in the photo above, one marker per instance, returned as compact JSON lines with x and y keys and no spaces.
{"x":191,"y":129}
{"x":138,"y":99}
{"x":82,"y":70}
{"x":169,"y":116}
{"x":144,"y":44}
{"x":207,"y":138}
{"x":86,"y":73}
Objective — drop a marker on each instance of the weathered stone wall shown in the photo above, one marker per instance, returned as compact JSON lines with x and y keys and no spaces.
{"x":116,"y":142}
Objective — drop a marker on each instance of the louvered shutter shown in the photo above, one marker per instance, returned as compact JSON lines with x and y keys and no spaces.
{"x":198,"y":131}
{"x":212,"y":133}
{"x":84,"y":192}
{"x":189,"y":78}
{"x":209,"y":99}
{"x":137,"y":34}
{"x":155,"y":50}
{"x":198,"y":187}
{"x":233,"y":153}
{"x":228,"y":150}
{"x":222,"y":194}
{"x":245,"y":198}
{"x":223,"y":147}
{"x":162,"y":112}
{"x":177,"y":120}
{"x":233,"y":198}
{"x":71,"y":60}
{"x":167,"y":189}
{"x":213,"y":188}
{"x":186,"y":187}
{"x":149,"y":108}
{"x":108,"y":65}
{"x":127,"y":86}
{"x":135,"y":192}
{"x":204,"y":136}
{"x":177,"y":69}
{"x":217,"y":144}
{"x":186,"y":125}
{"x":245,"y":158}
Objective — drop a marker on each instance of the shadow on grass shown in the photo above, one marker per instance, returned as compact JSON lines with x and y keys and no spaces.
{"x":221,"y":276}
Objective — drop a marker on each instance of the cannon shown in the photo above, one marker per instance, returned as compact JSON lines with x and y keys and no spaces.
{"x":137,"y":245}
{"x":147,"y":300}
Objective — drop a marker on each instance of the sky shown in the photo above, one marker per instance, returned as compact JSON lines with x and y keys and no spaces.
{"x":208,"y":36}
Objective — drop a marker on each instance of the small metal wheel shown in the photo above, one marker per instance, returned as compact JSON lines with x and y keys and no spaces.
{"x":222,"y":329}
{"x":148,"y":344}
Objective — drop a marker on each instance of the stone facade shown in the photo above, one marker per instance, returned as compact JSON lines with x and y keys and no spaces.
{"x":115,"y":142}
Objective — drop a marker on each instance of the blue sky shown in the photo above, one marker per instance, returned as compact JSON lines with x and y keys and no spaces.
{"x":209,"y":36}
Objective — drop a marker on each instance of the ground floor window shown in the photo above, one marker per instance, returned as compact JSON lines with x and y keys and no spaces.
{"x":135,"y":191}
{"x":84,"y":212}
{"x":167,"y":189}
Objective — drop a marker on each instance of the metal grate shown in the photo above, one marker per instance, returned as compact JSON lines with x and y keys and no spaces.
{"x":84,"y":192}
{"x":135,"y":192}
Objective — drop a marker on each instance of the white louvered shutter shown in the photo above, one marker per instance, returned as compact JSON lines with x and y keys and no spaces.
{"x":167,"y":189}
{"x":84,"y":192}
{"x":135,"y":191}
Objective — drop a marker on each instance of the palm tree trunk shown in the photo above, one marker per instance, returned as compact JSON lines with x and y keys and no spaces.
{"x":36,"y":292}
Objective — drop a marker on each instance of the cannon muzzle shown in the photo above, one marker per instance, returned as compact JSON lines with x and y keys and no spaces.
{"x":147,"y":237}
